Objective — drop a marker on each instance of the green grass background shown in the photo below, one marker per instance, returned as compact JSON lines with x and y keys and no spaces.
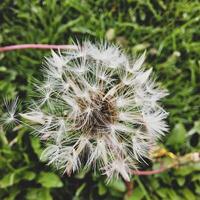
{"x":170,"y":32}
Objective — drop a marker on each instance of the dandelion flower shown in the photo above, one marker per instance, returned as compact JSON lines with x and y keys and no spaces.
{"x":96,"y":108}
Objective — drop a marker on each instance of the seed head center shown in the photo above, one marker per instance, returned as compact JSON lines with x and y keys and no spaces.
{"x":96,"y":114}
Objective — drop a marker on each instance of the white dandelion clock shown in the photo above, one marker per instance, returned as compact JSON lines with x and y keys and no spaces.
{"x":96,"y":108}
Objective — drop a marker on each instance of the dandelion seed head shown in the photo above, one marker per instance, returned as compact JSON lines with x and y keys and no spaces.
{"x":98,"y":109}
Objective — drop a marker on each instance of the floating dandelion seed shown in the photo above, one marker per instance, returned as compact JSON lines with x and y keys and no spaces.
{"x":96,"y":108}
{"x":9,"y":117}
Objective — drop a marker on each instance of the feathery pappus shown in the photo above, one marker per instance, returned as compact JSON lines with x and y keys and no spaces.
{"x":97,"y":108}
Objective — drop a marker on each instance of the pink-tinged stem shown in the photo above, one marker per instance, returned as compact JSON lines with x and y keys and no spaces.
{"x":151,"y":172}
{"x":36,"y":46}
{"x":179,"y":161}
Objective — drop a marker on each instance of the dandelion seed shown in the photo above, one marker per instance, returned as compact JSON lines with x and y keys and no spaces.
{"x":97,"y":109}
{"x":9,"y":118}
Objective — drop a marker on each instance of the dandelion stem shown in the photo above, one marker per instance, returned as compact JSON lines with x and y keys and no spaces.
{"x":129,"y":187}
{"x":35,"y":46}
{"x":150,"y":172}
{"x":179,"y":161}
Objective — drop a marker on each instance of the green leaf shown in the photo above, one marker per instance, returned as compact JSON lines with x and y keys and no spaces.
{"x":117,"y":185}
{"x":16,"y":176}
{"x":28,"y":175}
{"x":80,"y":189}
{"x":49,"y":180}
{"x":101,"y":189}
{"x":12,"y":193}
{"x":197,"y":188}
{"x":195,"y":129}
{"x":137,"y":194}
{"x":162,"y":192}
{"x":8,"y":180}
{"x":36,"y":145}
{"x":196,"y":177}
{"x":173,"y":195}
{"x":116,"y":194}
{"x":178,"y":136}
{"x":186,"y":170}
{"x":188,"y":194}
{"x":38,"y":194}
{"x":165,"y":193}
{"x":3,"y":69}
{"x":155,"y":184}
{"x":181,"y":181}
